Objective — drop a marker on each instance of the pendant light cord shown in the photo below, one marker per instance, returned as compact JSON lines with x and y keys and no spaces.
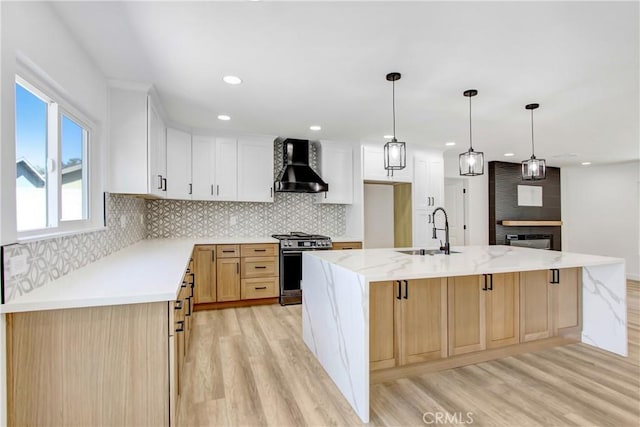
{"x":532,"y":151}
{"x":393,"y":103}
{"x":470,"y":134}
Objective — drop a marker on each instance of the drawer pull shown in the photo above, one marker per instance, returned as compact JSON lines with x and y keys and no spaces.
{"x":259,"y":250}
{"x":181,"y":328}
{"x":259,"y":266}
{"x":227,"y":251}
{"x":258,"y":288}
{"x":178,"y":305}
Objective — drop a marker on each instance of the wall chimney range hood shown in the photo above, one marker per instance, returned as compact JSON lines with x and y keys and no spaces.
{"x":296,"y":175}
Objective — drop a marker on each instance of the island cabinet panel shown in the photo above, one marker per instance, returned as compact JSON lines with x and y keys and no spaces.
{"x":502,"y":309}
{"x":467,"y":332}
{"x":423,"y":320}
{"x":536,"y":310}
{"x":567,"y":297}
{"x":205,"y":273}
{"x":228,"y":279}
{"x":89,"y":366}
{"x":382,"y":330}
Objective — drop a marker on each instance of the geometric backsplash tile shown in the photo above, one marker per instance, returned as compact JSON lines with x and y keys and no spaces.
{"x":288,"y":212}
{"x":52,"y":258}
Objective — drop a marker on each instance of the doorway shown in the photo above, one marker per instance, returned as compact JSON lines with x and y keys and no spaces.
{"x":387,"y":215}
{"x":455,"y":203}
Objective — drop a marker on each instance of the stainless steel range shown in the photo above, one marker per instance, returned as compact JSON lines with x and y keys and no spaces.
{"x":292,"y":246}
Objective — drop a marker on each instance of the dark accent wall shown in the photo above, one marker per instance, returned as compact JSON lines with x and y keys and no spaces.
{"x":504,"y":179}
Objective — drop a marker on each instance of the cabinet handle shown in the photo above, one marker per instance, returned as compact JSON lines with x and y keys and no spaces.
{"x":189,"y":306}
{"x":258,"y":288}
{"x":217,"y":190}
{"x":181,"y":328}
{"x":406,"y":289}
{"x":429,"y":219}
{"x":184,"y":284}
{"x":259,"y":250}
{"x":555,"y":276}
{"x":159,"y":182}
{"x":484,"y":287}
{"x":237,"y":268}
{"x":490,"y":281}
{"x":190,"y":188}
{"x":226,"y":251}
{"x":212,"y":189}
{"x":178,"y":305}
{"x":213,"y":256}
{"x":270,"y":191}
{"x":399,"y":290}
{"x":259,"y":266}
{"x":164,"y":184}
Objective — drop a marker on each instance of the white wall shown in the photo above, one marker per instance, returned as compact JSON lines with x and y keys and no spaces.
{"x":33,"y":35}
{"x":378,"y":216}
{"x":601,"y":212}
{"x":477,"y":200}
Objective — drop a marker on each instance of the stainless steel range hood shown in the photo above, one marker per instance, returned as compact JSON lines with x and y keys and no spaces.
{"x":296,"y":175}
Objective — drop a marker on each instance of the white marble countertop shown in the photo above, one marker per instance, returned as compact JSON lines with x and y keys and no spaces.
{"x":147,"y":271}
{"x":388,"y":264}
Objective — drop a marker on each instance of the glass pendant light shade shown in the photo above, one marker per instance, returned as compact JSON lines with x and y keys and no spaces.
{"x":395,"y":153}
{"x":533,"y":169}
{"x":471,"y":162}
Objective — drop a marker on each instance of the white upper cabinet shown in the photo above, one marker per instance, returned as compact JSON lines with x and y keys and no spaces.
{"x":178,"y":184}
{"x":373,"y":162}
{"x":136,"y":149}
{"x":226,"y":169}
{"x":336,"y":169}
{"x":428,"y":194}
{"x":255,"y":169}
{"x":203,"y":151}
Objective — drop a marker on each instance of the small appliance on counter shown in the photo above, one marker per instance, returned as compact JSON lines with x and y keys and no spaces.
{"x":292,"y":246}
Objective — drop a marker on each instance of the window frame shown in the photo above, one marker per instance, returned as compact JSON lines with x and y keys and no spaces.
{"x":57,"y":107}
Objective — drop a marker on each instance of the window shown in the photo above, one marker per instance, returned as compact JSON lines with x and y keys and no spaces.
{"x":52,"y":184}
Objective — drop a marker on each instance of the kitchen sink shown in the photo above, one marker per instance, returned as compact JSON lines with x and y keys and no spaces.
{"x":425,"y":252}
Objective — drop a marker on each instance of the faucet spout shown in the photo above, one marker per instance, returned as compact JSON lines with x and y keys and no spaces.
{"x":447,"y":246}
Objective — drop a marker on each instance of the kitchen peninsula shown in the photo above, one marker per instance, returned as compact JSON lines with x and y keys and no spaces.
{"x":381,"y":308}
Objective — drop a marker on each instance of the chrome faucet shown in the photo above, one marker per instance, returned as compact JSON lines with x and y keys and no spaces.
{"x":446,"y":247}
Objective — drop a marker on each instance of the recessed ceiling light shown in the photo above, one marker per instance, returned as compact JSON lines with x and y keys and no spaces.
{"x":232,"y":80}
{"x":450,"y":144}
{"x":509,"y":154}
{"x":388,"y":137}
{"x":586,"y":163}
{"x":224,"y":117}
{"x":315,"y":127}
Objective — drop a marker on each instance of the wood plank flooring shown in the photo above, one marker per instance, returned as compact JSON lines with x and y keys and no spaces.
{"x":249,"y":367}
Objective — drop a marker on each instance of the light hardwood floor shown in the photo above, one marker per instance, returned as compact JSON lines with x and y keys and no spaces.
{"x":249,"y":366}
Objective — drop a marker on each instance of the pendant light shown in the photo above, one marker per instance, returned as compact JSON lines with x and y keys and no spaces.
{"x":395,"y":153}
{"x":533,"y":169}
{"x":471,"y":162}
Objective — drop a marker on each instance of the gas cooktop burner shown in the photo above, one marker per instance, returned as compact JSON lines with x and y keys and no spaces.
{"x":298,"y":235}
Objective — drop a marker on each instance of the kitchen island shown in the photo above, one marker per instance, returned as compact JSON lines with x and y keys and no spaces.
{"x":380,"y":308}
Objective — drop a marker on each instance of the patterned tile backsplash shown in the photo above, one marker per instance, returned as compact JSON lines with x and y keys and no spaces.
{"x":50,"y":259}
{"x":289,"y":212}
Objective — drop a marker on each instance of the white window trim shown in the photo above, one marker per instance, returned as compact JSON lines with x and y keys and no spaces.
{"x":50,"y":92}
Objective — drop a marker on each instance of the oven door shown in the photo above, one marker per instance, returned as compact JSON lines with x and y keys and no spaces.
{"x":290,"y":272}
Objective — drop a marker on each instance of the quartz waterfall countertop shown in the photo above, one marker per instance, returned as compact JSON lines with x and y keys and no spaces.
{"x":147,"y":271}
{"x":389,"y":264}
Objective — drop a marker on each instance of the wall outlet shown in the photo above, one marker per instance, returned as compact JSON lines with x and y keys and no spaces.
{"x":18,"y":265}
{"x":233,"y":220}
{"x":123,"y":221}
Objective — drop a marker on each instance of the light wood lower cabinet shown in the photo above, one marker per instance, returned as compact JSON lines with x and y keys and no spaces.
{"x":228,"y":279}
{"x":502,"y":298}
{"x":407,"y":322}
{"x":257,"y":288}
{"x":467,"y":323}
{"x":536,"y":309}
{"x":204,"y":257}
{"x":341,"y":246}
{"x":259,"y":267}
{"x":567,"y":298}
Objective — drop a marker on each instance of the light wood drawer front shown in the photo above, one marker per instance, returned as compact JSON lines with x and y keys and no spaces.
{"x":228,"y":251}
{"x":263,"y":249}
{"x":340,"y":246}
{"x":259,"y":288}
{"x":259,"y":267}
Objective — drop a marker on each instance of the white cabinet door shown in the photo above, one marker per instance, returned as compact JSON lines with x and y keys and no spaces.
{"x":436,"y":181}
{"x":255,"y":169}
{"x":226,"y":167}
{"x":421,"y":196}
{"x":157,"y":151}
{"x":178,"y":164}
{"x":336,"y":169}
{"x":373,"y":159}
{"x":428,"y":190}
{"x":202,"y":167}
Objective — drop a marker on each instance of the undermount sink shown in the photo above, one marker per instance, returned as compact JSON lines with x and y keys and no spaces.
{"x":426,"y":252}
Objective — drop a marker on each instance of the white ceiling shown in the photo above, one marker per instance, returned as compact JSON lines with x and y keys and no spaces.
{"x":306,"y":63}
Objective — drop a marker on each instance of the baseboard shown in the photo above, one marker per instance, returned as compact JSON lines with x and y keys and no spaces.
{"x":231,"y":304}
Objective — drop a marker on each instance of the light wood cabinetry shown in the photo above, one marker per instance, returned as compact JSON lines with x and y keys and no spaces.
{"x":228,"y":251}
{"x":536,"y":308}
{"x":137,"y":147}
{"x":408,"y":322}
{"x":336,"y":169}
{"x":466,"y":307}
{"x":259,"y":287}
{"x":205,"y":273}
{"x":260,"y":249}
{"x":259,"y":267}
{"x":255,"y":169}
{"x":567,"y":297}
{"x":502,"y":298}
{"x":341,"y":246}
{"x":228,"y":279}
